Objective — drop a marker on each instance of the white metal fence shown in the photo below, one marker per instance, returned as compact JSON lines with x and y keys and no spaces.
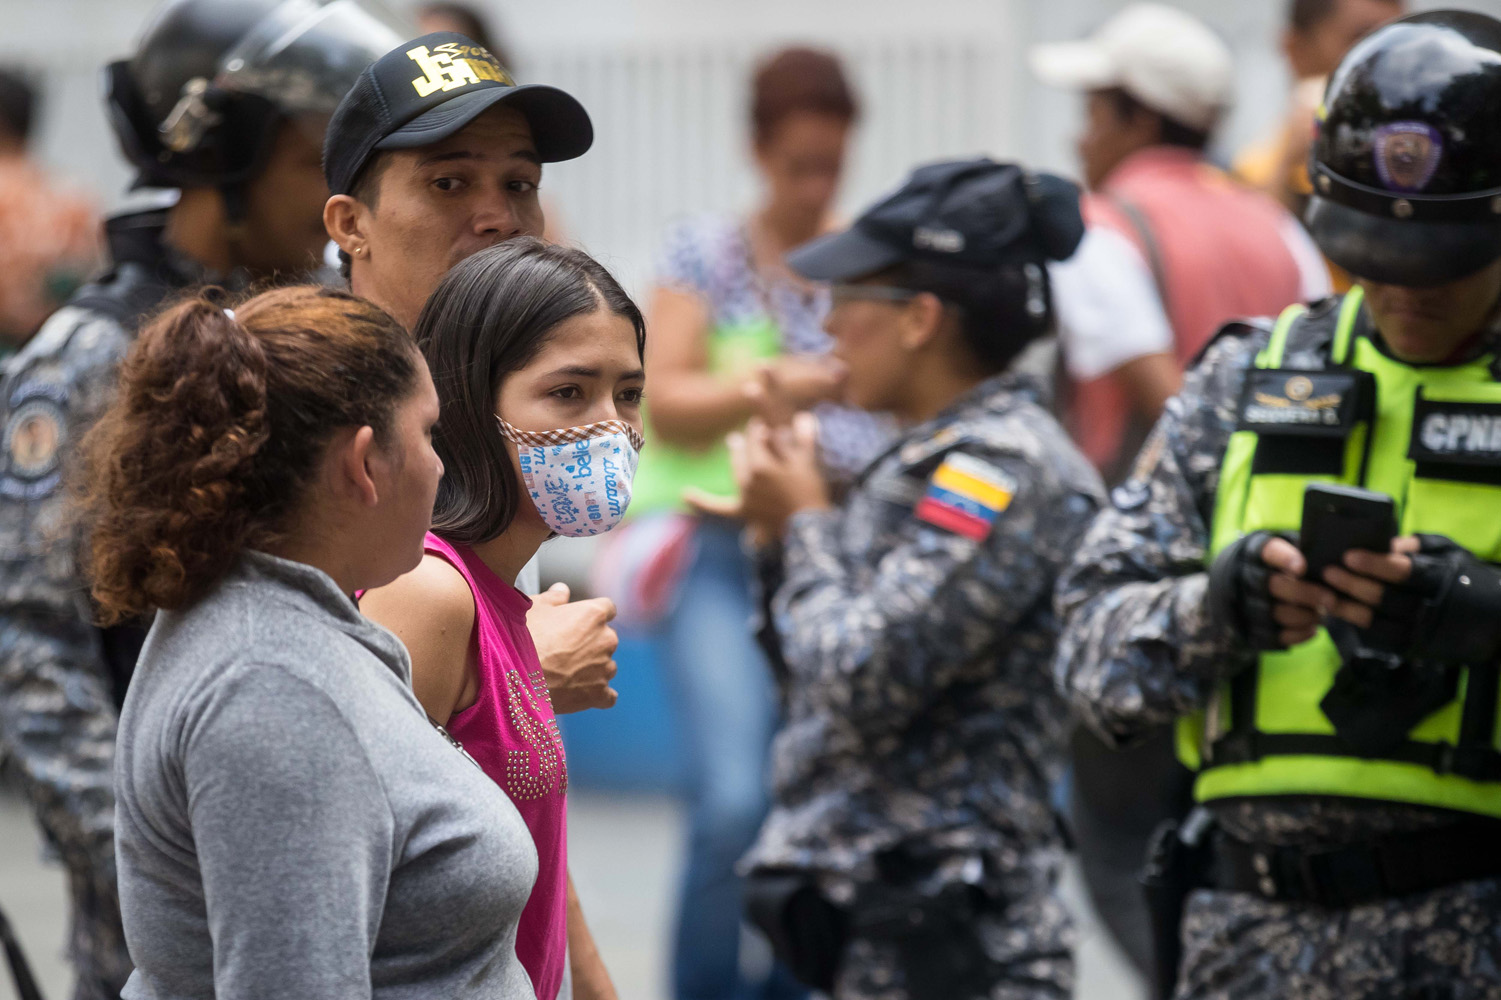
{"x":672,"y":131}
{"x":665,"y":81}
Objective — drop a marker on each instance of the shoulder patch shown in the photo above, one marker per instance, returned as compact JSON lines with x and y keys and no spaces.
{"x":30,"y":452}
{"x":965,"y":495}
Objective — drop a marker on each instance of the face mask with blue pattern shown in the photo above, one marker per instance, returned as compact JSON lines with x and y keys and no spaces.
{"x":579,"y":478}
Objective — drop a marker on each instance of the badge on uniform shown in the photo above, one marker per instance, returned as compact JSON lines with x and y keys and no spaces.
{"x":30,"y":458}
{"x":1407,"y":154}
{"x":965,"y":496}
{"x":1307,"y":403}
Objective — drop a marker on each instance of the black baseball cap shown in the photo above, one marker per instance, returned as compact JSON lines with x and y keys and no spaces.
{"x":974,"y":216}
{"x":425,"y":90}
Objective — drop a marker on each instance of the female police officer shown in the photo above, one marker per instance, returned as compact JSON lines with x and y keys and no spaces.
{"x":911,"y":850}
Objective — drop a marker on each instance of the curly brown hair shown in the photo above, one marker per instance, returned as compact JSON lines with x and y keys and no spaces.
{"x":217,"y":429}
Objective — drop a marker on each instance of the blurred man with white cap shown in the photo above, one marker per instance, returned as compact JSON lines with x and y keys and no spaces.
{"x":1180,"y":246}
{"x":1166,"y":61}
{"x":1175,"y":248}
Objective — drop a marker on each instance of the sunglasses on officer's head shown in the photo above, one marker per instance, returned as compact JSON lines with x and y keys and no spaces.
{"x":841,"y":293}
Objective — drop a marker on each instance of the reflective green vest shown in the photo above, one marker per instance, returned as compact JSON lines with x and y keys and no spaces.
{"x":1323,"y":404}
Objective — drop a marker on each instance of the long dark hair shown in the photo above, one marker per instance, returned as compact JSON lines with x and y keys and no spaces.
{"x":217,"y":430}
{"x":489,"y":317}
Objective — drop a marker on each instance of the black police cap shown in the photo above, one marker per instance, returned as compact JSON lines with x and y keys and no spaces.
{"x":430,"y":88}
{"x":965,"y":215}
{"x":1406,"y":166}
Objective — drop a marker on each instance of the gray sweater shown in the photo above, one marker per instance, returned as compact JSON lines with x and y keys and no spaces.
{"x":289,"y":824}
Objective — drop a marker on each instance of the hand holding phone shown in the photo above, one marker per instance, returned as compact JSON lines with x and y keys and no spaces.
{"x":1337,"y":519}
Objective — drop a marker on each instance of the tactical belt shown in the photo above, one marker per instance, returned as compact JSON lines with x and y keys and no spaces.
{"x":1372,"y":870}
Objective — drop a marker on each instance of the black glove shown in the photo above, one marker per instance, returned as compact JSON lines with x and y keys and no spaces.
{"x":1240,"y":597}
{"x":1447,"y":612}
{"x":1406,"y":665}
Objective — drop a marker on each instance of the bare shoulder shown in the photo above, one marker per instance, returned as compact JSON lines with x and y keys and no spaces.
{"x":431,"y":610}
{"x":435,"y":590}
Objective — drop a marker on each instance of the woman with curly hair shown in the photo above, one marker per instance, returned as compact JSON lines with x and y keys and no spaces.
{"x":290,"y":824}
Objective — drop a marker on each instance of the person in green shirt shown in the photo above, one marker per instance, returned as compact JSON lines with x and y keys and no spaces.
{"x":734,"y":335}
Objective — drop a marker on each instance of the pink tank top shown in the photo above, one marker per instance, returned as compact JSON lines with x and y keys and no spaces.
{"x":512,"y":732}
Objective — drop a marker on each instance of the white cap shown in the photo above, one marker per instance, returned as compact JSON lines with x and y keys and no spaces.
{"x":1167,"y":59}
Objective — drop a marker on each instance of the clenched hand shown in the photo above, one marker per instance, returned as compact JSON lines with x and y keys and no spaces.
{"x":577,"y":648}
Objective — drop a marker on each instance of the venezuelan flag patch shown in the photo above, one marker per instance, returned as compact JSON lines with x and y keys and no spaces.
{"x":965,"y":496}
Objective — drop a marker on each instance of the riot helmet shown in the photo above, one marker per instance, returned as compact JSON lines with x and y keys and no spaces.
{"x":200,"y":102}
{"x":1406,"y":165}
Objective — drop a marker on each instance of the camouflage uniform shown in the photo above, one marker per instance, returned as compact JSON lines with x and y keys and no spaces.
{"x":922,"y":736}
{"x":1139,"y":650}
{"x":60,"y":676}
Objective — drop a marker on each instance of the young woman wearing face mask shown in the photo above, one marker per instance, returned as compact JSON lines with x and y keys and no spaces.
{"x":289,"y":823}
{"x":537,"y":356}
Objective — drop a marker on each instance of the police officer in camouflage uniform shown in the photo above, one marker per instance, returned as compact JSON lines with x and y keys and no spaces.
{"x":1343,"y":726}
{"x":912,"y":851}
{"x":225,"y":101}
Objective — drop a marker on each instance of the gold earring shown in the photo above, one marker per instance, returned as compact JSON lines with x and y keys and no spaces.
{"x":359,"y":251}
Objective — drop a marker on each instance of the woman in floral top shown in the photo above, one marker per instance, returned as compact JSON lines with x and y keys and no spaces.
{"x":735,"y":334}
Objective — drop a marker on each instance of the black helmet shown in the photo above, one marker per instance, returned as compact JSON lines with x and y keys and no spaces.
{"x":1406,"y":167}
{"x":200,"y":101}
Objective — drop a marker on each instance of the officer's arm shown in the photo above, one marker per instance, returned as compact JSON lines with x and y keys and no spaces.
{"x":57,"y":712}
{"x":1137,"y":648}
{"x":940,"y":605}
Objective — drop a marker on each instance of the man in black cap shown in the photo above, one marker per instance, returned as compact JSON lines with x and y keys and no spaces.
{"x":912,"y":851}
{"x":1342,"y":720}
{"x":437,"y":153}
{"x":222,"y":106}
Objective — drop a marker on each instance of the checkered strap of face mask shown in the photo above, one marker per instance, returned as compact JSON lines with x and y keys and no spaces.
{"x":571,"y":435}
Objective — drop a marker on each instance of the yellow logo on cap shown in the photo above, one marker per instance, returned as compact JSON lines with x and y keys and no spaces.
{"x":451,"y":66}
